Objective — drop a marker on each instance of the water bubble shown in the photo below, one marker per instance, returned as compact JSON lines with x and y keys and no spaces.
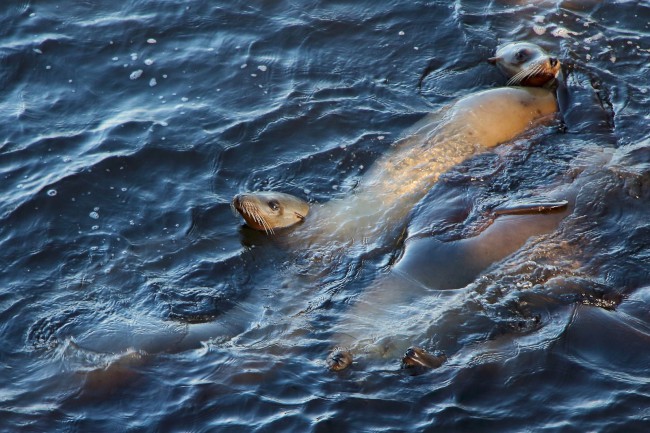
{"x":136,"y":74}
{"x":152,"y":82}
{"x":151,"y":41}
{"x":95,"y":228}
{"x":51,"y":192}
{"x":94,"y":215}
{"x":262,"y":68}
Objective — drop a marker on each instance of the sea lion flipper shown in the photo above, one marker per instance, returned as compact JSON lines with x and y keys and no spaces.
{"x":416,"y":357}
{"x":519,"y":207}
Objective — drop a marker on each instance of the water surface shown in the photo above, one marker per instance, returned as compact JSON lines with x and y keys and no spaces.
{"x":127,"y":127}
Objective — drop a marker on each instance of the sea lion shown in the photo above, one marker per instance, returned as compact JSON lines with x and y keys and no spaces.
{"x":339,"y":359}
{"x":398,"y":180}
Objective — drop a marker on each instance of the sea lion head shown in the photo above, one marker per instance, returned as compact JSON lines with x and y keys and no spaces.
{"x":270,"y":210}
{"x":526,"y":64}
{"x":339,"y":359}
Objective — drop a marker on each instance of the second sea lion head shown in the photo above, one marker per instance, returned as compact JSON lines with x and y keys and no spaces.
{"x":270,"y":210}
{"x":526,"y":64}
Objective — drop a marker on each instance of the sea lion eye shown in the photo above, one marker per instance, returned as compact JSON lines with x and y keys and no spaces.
{"x":274,"y":205}
{"x":522,"y":55}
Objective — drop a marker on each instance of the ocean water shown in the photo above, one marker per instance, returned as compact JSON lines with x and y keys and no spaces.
{"x":133,"y":299}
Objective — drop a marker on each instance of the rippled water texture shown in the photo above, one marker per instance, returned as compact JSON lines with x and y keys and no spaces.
{"x":132,"y":299}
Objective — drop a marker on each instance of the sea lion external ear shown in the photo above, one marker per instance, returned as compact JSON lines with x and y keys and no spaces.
{"x":492,"y":60}
{"x":299,"y":216}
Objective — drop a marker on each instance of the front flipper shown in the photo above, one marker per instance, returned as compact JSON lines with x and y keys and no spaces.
{"x":416,"y":357}
{"x":519,"y":207}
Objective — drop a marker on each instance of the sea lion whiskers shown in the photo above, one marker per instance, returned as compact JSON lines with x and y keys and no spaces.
{"x":523,"y":75}
{"x":520,"y":76}
{"x":253,"y":211}
{"x":250,"y":210}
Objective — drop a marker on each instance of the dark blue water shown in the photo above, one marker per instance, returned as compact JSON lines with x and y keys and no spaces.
{"x":132,"y":299}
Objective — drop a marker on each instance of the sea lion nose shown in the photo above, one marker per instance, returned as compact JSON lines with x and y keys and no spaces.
{"x":236,"y":201}
{"x":552,"y":61}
